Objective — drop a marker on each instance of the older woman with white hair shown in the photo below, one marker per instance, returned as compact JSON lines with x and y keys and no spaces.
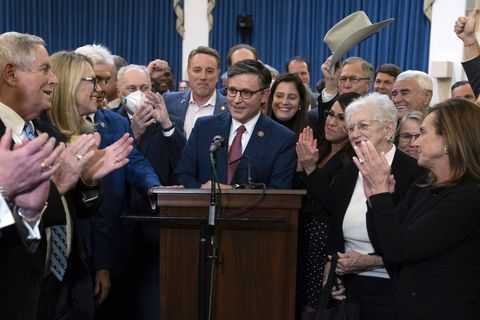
{"x":370,"y":118}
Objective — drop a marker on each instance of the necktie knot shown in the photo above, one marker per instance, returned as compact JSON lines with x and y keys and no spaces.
{"x":241,"y":130}
{"x":28,"y":130}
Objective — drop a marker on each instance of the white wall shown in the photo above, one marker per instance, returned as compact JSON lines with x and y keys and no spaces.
{"x":196,"y":29}
{"x":444,"y":44}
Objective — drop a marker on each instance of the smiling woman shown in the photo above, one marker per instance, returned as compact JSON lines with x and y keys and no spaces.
{"x":288,"y":103}
{"x":77,"y":96}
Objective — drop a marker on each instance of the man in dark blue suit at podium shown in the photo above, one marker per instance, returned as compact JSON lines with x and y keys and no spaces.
{"x":257,"y":149}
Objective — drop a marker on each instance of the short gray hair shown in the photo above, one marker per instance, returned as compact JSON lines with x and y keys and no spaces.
{"x":367,"y":68}
{"x":423,"y":80}
{"x":130,"y":67}
{"x":97,"y":53}
{"x":19,"y":49}
{"x":383,"y":108}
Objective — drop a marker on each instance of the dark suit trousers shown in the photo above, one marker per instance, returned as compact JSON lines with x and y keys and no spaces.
{"x":66,"y":300}
{"x":373,"y":295}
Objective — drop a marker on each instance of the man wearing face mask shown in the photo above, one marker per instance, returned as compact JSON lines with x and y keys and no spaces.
{"x":161,"y":142}
{"x":156,"y":132}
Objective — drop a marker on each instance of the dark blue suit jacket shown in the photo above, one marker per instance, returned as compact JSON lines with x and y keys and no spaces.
{"x":109,"y":244}
{"x":177,"y":104}
{"x":271,"y":149}
{"x":162,"y":152}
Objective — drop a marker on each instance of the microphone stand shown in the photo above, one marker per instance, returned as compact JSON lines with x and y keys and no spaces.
{"x":208,"y":232}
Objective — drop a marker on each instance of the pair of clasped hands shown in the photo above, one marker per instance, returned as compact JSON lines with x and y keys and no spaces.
{"x":26,"y":171}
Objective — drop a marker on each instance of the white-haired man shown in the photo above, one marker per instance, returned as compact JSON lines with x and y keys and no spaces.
{"x":412,"y":91}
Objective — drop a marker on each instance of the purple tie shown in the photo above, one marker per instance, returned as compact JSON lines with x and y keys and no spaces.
{"x":235,"y":153}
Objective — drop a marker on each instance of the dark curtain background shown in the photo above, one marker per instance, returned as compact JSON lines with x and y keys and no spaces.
{"x":286,"y":28}
{"x":139,"y":30}
{"x":142,"y":30}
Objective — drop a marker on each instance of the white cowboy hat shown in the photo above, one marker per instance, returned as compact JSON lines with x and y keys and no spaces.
{"x":350,"y":31}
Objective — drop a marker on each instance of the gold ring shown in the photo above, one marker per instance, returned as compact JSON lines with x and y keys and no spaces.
{"x":362,"y":161}
{"x":78,"y":156}
{"x":116,"y":160}
{"x":45,"y":166}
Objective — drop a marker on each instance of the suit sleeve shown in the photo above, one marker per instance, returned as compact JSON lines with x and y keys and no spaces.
{"x":175,"y":144}
{"x":284,"y":165}
{"x":187,"y":169}
{"x":472,"y":69}
{"x":442,"y":226}
{"x":140,"y":173}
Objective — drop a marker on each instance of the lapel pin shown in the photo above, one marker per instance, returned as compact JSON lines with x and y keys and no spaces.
{"x":260,"y":134}
{"x":102,"y":124}
{"x":222,"y":108}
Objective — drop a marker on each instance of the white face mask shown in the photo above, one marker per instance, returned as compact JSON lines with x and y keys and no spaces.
{"x":133,"y":101}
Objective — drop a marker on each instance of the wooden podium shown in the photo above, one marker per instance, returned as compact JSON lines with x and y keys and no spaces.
{"x":257,"y":252}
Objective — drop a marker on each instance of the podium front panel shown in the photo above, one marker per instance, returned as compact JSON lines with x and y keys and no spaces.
{"x":256,"y":266}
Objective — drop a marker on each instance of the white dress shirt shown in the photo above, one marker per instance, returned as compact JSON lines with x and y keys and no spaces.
{"x":195,"y":111}
{"x":249,"y":126}
{"x":355,"y":223}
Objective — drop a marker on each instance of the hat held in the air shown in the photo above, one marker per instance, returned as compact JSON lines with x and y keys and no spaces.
{"x":350,"y":31}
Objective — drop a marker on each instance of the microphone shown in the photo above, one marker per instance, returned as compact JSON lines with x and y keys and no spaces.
{"x":218,"y":142}
{"x":250,"y":184}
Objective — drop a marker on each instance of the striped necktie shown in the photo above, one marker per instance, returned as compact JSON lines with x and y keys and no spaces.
{"x":28,"y":131}
{"x":58,"y":257}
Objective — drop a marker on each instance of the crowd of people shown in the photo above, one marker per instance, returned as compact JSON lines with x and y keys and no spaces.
{"x":391,"y":181}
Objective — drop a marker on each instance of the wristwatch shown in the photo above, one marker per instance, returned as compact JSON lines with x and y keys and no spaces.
{"x":169,"y":128}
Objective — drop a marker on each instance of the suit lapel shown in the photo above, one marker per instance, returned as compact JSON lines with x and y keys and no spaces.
{"x":184,"y":101}
{"x":220,"y":104}
{"x":258,"y":137}
{"x":224,"y":124}
{"x":345,"y":184}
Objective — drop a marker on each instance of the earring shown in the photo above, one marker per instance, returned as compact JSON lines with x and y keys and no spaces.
{"x":446,"y":150}
{"x":299,"y":108}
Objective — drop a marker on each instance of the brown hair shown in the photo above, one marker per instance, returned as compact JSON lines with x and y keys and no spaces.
{"x":205,"y":50}
{"x":457,"y":121}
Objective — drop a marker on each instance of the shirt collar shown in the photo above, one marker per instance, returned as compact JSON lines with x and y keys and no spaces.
{"x":390,"y":154}
{"x":249,"y":125}
{"x":12,"y":120}
{"x":210,"y":102}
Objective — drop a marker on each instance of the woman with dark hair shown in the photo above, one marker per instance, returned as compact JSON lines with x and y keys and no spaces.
{"x":431,"y":239}
{"x":288,"y":102}
{"x":323,"y":159}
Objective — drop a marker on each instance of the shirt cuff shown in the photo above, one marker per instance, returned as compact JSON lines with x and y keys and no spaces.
{"x":326,"y":97}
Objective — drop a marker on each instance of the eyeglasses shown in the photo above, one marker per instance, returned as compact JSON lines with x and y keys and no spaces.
{"x":91,"y":79}
{"x":353,"y":80}
{"x":362,"y":126}
{"x":245,"y":94}
{"x":330,"y":113}
{"x":407,"y":137}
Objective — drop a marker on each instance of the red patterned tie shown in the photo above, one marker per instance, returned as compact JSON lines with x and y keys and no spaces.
{"x":235,"y":153}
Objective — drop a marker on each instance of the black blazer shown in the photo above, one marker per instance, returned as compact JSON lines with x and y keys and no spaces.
{"x":472,"y":69}
{"x":432,"y":239}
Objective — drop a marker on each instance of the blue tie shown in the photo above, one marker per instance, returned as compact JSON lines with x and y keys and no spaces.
{"x":28,"y":130}
{"x":58,"y":258}
{"x":59,"y":254}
